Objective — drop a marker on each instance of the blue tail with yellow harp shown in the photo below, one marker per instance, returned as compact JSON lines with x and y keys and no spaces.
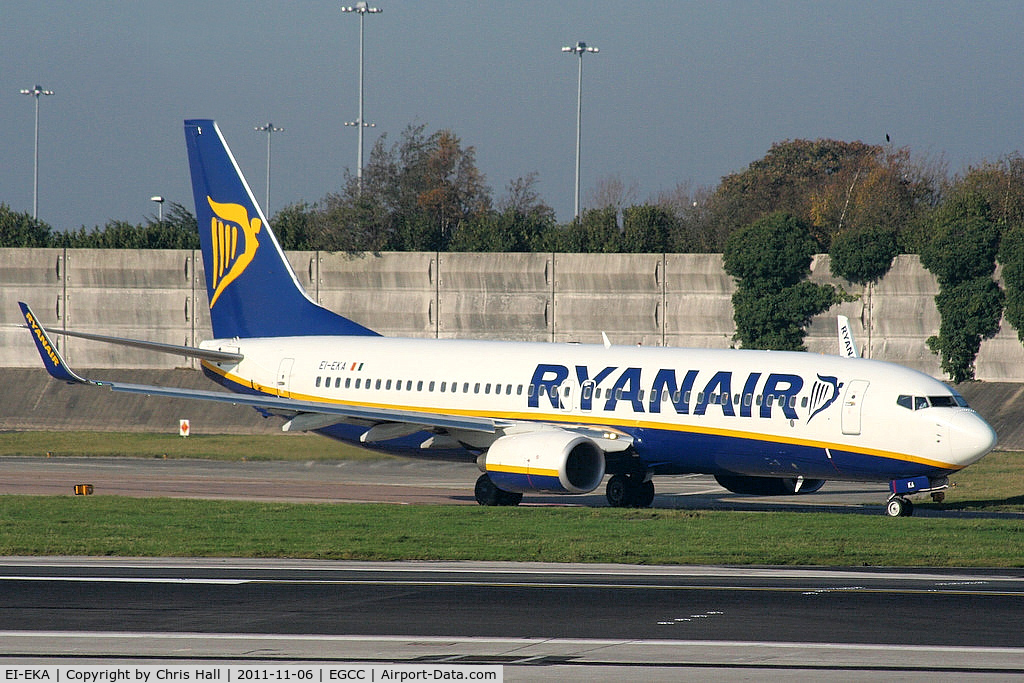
{"x":252,"y":289}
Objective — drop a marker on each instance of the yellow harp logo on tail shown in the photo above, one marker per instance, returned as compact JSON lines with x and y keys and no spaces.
{"x":234,"y":244}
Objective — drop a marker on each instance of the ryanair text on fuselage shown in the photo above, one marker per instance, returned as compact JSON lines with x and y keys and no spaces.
{"x":760,"y":394}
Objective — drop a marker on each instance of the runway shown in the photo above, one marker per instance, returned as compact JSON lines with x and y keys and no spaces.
{"x":539,"y":621}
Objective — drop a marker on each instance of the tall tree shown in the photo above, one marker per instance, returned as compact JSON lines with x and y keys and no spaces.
{"x":772,"y":305}
{"x":414,"y":194}
{"x":831,"y":184}
{"x":961,"y":252}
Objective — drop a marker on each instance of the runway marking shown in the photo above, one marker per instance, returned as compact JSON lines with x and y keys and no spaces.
{"x":128,"y":579}
{"x":803,"y":590}
{"x":517,"y":642}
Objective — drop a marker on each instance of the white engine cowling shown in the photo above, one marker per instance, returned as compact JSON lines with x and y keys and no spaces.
{"x":550,"y":460}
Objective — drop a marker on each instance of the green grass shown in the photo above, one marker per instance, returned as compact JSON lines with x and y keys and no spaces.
{"x":300,"y":447}
{"x":108,"y":525}
{"x":994,"y":484}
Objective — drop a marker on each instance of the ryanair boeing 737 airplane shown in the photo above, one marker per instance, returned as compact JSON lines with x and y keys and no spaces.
{"x":543,"y":417}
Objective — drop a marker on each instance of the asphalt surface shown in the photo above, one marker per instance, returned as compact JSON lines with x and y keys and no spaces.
{"x":540,"y":621}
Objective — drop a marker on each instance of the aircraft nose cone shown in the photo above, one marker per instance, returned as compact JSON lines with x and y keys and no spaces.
{"x":970,"y":438}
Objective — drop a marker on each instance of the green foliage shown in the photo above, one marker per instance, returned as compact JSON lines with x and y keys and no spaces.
{"x":293,"y":226}
{"x":21,"y":230}
{"x":863,"y":255}
{"x":775,"y":250}
{"x":1011,"y":256}
{"x":773,"y":304}
{"x":970,"y":312}
{"x":510,"y":230}
{"x":961,"y":252}
{"x":771,"y":318}
{"x":597,"y":232}
{"x":963,"y":242}
{"x":647,"y":229}
{"x":178,"y":230}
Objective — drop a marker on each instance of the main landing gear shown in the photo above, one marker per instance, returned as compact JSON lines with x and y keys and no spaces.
{"x":629,"y":491}
{"x":488,"y":494}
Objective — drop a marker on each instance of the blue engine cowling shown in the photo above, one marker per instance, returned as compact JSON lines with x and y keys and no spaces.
{"x":551,"y":460}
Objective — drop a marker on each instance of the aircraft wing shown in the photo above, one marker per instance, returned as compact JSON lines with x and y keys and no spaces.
{"x":383,"y":423}
{"x":59,"y":369}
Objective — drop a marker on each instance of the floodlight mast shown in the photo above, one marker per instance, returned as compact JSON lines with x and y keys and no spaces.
{"x":579,"y":49}
{"x":362,"y":9}
{"x":159,"y":200}
{"x":269,"y":129}
{"x":35,"y":92}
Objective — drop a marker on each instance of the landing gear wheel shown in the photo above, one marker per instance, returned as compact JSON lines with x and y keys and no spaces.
{"x":899,"y":507}
{"x":508,"y":498}
{"x":629,"y":491}
{"x":619,"y":491}
{"x":488,"y":494}
{"x":645,"y":495}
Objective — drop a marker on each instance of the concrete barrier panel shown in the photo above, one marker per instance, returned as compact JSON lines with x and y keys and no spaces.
{"x":619,"y":294}
{"x":674,"y":299}
{"x":391,"y":293}
{"x":35,"y":276}
{"x":495,"y":296}
{"x":698,"y":302}
{"x":133,"y":293}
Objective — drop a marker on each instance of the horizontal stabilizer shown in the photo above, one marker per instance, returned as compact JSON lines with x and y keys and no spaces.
{"x":188,"y":351}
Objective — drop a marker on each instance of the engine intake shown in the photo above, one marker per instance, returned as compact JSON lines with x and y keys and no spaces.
{"x":553,"y":461}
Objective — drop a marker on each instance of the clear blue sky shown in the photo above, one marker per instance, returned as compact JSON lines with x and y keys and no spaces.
{"x":680,"y":92}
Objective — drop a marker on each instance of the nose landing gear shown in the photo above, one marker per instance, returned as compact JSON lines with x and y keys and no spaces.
{"x":900,"y":506}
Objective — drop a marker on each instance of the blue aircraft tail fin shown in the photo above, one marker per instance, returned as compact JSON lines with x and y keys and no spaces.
{"x":252,"y":289}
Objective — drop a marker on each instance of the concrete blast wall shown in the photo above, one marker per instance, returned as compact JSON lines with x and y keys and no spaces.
{"x":653,"y":299}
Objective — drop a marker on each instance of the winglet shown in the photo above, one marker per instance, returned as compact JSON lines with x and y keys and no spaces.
{"x":847,"y":347}
{"x":52,"y":360}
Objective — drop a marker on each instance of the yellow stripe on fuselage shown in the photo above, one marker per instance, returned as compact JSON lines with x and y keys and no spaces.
{"x":603,"y":421}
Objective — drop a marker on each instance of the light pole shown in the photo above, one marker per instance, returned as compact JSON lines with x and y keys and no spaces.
{"x":269,"y":129}
{"x":362,"y":9}
{"x":160,"y":203}
{"x":35,"y":92}
{"x":579,"y":49}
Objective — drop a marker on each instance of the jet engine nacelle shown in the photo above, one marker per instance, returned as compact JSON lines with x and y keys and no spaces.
{"x":553,"y":461}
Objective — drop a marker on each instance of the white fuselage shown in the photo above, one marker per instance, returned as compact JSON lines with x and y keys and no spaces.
{"x":748,"y":412}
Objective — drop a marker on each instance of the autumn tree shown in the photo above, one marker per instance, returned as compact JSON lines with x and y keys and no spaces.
{"x":830,"y":184}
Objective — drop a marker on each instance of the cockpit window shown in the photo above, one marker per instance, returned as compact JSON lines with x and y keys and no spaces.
{"x":922,"y":402}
